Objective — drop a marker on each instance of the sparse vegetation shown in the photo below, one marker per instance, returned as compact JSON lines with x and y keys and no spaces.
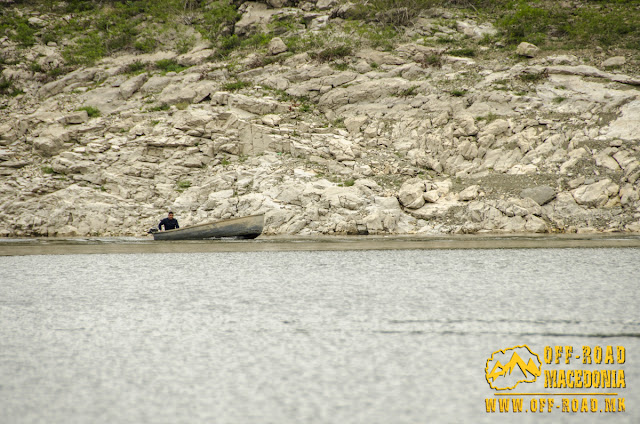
{"x":338,"y":123}
{"x":532,"y":77}
{"x":465,"y":52}
{"x":432,"y":60}
{"x":93,"y":112}
{"x":7,"y":88}
{"x":183,"y":185}
{"x":408,"y":92}
{"x":159,"y":108}
{"x":136,"y":67}
{"x":305,"y":107}
{"x":169,"y":65}
{"x":332,"y":53}
{"x":236,"y":85}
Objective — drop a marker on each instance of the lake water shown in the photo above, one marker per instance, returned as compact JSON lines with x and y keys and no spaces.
{"x":303,"y":336}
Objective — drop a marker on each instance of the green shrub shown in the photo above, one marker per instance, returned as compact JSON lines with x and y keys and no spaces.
{"x":458,"y":92}
{"x":333,"y":53}
{"x":217,"y":19}
{"x":6,"y":87}
{"x":17,"y":28}
{"x":606,"y":26}
{"x":185,"y":44}
{"x":146,"y":45}
{"x":183,"y":185}
{"x":35,"y":67}
{"x":159,"y":108}
{"x":525,"y":22}
{"x":257,"y":40}
{"x":532,"y":78}
{"x":236,"y":85}
{"x":93,"y":112}
{"x":338,"y":123}
{"x":605,"y":23}
{"x":55,"y":72}
{"x":340,"y":66}
{"x":304,"y":42}
{"x":382,"y":37}
{"x":432,"y":60}
{"x":465,"y":52}
{"x":86,"y":50}
{"x":135,"y":67}
{"x":407,"y":92}
{"x":169,"y":65}
{"x":393,"y":12}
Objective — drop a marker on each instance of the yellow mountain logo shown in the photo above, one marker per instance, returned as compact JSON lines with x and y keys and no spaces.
{"x":521,"y":365}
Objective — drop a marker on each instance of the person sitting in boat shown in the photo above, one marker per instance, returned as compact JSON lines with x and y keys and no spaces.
{"x":169,"y":223}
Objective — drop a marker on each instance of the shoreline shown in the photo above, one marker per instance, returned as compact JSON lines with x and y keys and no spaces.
{"x":133,"y":245}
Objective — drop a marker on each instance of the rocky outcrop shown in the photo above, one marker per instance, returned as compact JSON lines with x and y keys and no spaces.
{"x":409,"y":141}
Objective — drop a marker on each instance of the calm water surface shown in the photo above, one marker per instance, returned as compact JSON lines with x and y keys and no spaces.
{"x":302,"y":336}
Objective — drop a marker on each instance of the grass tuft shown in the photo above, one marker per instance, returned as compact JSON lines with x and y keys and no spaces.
{"x":93,"y":112}
{"x":236,"y":85}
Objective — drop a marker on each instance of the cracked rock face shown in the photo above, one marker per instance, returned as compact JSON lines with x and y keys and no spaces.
{"x":377,"y":142}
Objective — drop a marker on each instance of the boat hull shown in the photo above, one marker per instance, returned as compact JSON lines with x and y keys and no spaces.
{"x":248,"y":227}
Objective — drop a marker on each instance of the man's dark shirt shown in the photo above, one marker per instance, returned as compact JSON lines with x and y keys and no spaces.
{"x":169,"y":224}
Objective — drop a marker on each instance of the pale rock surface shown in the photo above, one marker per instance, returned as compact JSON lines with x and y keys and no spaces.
{"x":527,"y":49}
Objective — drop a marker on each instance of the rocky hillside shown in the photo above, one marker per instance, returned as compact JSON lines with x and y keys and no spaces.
{"x":328,"y":118}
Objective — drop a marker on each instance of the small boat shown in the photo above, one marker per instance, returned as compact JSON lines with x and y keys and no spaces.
{"x":248,"y":227}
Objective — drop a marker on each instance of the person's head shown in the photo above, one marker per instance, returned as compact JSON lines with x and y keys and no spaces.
{"x":170,"y":215}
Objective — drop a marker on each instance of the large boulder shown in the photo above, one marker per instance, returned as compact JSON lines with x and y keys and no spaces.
{"x":411,"y":194}
{"x":527,"y":49}
{"x":130,"y":86}
{"x":541,"y":194}
{"x":276,"y":46}
{"x":469,"y":193}
{"x":596,"y":194}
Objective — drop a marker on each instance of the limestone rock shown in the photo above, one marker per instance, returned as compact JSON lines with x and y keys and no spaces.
{"x":473,"y":30}
{"x":431,"y":196}
{"x":132,"y":85}
{"x":614,"y":61}
{"x":596,"y":194}
{"x":177,"y":93}
{"x":276,"y":46}
{"x":469,"y":193}
{"x":411,"y":194}
{"x":627,"y":126}
{"x":541,"y":194}
{"x":155,"y":83}
{"x":271,"y":120}
{"x":195,"y":57}
{"x":527,"y":49}
{"x":254,"y":18}
{"x":77,"y":117}
{"x":326,"y":4}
